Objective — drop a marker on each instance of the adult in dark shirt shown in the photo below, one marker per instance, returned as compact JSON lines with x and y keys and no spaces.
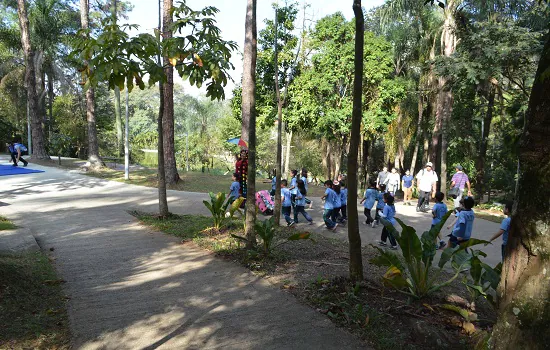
{"x":382,"y":177}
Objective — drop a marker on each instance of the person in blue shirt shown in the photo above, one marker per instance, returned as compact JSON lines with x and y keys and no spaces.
{"x":301,"y":201}
{"x":464,"y":224}
{"x":303,"y":175}
{"x":379,"y":205}
{"x":330,"y":199}
{"x":504,"y":228}
{"x":406,"y":185}
{"x":343,"y":201}
{"x":371,"y":194}
{"x":388,"y":214}
{"x":286,"y":202}
{"x":234,"y":188}
{"x":335,"y":215}
{"x":438,"y":212}
{"x":273,"y":185}
{"x":293,"y":192}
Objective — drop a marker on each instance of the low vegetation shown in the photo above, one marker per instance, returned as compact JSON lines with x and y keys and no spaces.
{"x":32,"y":306}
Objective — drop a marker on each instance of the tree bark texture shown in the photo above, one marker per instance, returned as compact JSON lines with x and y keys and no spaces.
{"x":163,"y":200}
{"x":118,"y":122}
{"x":170,"y":167}
{"x":278,"y":166}
{"x":38,"y":151}
{"x":418,"y":137}
{"x":249,"y":115}
{"x":482,"y":156}
{"x":524,"y":290}
{"x":355,"y":257}
{"x":327,"y":159}
{"x":93,"y":147}
{"x":287,"y":154}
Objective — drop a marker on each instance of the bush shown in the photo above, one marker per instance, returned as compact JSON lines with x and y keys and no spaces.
{"x":222,"y":209}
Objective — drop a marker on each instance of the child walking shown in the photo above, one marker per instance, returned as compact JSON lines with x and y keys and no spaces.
{"x":368,"y":201}
{"x":379,"y":205}
{"x":344,"y":201}
{"x":504,"y":228}
{"x":462,"y":230}
{"x":438,"y":212}
{"x":335,"y":215}
{"x":293,"y":192}
{"x":330,"y":198}
{"x":286,"y":203}
{"x":235,"y":188}
{"x":388,"y":213}
{"x":301,"y":201}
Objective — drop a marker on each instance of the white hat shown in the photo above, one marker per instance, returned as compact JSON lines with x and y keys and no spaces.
{"x":430,"y":164}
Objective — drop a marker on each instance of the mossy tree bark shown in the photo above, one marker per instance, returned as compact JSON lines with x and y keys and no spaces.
{"x":524,"y":290}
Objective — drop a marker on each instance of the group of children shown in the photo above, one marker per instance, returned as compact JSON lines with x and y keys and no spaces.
{"x":336,"y":199}
{"x":293,"y":198}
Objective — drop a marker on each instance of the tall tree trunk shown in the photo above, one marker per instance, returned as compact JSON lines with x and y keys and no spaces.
{"x":170,"y":168}
{"x":445,"y":96}
{"x":524,"y":290}
{"x":118,"y":122}
{"x":163,"y":200}
{"x":249,"y":115}
{"x":418,"y":133}
{"x":94,"y":161}
{"x":287,"y":154}
{"x":38,"y":151}
{"x":326,"y":159}
{"x":278,"y":166}
{"x":364,"y":163}
{"x":355,"y":257}
{"x":482,"y":155}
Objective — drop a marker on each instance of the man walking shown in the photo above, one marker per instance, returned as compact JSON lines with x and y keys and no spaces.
{"x":382,"y":177}
{"x":460,"y":180}
{"x":426,"y":181}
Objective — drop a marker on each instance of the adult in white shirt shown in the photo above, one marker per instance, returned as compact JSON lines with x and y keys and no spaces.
{"x":392,"y":182}
{"x":426,"y":181}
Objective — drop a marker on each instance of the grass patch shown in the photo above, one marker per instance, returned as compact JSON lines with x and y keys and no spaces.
{"x":489,"y":217}
{"x":5,"y":224}
{"x":32,"y":306}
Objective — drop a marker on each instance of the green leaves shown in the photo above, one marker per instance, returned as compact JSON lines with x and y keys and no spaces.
{"x":218,"y":208}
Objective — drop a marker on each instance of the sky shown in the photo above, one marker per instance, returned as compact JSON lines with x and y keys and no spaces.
{"x":231,"y":20}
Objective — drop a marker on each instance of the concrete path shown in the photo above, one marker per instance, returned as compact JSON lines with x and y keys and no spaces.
{"x":133,"y":288}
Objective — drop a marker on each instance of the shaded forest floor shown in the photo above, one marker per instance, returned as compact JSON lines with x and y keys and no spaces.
{"x":315,"y":272}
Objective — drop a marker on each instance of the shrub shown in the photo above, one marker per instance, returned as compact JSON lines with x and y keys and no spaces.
{"x":221,"y":209}
{"x":414,"y":275}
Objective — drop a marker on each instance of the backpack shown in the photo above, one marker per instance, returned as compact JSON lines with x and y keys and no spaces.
{"x":22,"y":147}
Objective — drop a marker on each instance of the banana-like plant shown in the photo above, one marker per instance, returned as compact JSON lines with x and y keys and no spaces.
{"x":414,"y":274}
{"x":222,"y":209}
{"x":266,"y":231}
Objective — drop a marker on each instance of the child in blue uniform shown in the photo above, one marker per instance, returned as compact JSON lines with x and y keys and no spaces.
{"x":388,"y":213}
{"x":286,"y":203}
{"x":344,"y":201}
{"x":462,"y":230}
{"x":438,"y":212}
{"x":379,"y":205}
{"x":504,"y":228}
{"x":234,"y":188}
{"x":368,"y":201}
{"x":330,"y":199}
{"x":301,"y":201}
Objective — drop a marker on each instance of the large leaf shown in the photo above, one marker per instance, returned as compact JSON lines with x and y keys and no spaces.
{"x":446,"y":255}
{"x":394,"y":278}
{"x":461,"y":260}
{"x":428,"y":240}
{"x":235,"y":206}
{"x":386,"y":258}
{"x":475,"y":269}
{"x":409,"y":243}
{"x":491,"y":275}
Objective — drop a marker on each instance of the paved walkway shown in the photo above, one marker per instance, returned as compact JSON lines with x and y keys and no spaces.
{"x":132,"y":288}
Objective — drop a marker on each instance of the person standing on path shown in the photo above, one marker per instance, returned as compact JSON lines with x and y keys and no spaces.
{"x":382,"y":176}
{"x":330,"y":198}
{"x":460,"y":180}
{"x":286,"y":203}
{"x":393,"y":182}
{"x":504,"y":228}
{"x":406,"y":186}
{"x":368,"y":201}
{"x":301,"y":201}
{"x":426,"y":181}
{"x":293,"y":192}
{"x":388,"y":214}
